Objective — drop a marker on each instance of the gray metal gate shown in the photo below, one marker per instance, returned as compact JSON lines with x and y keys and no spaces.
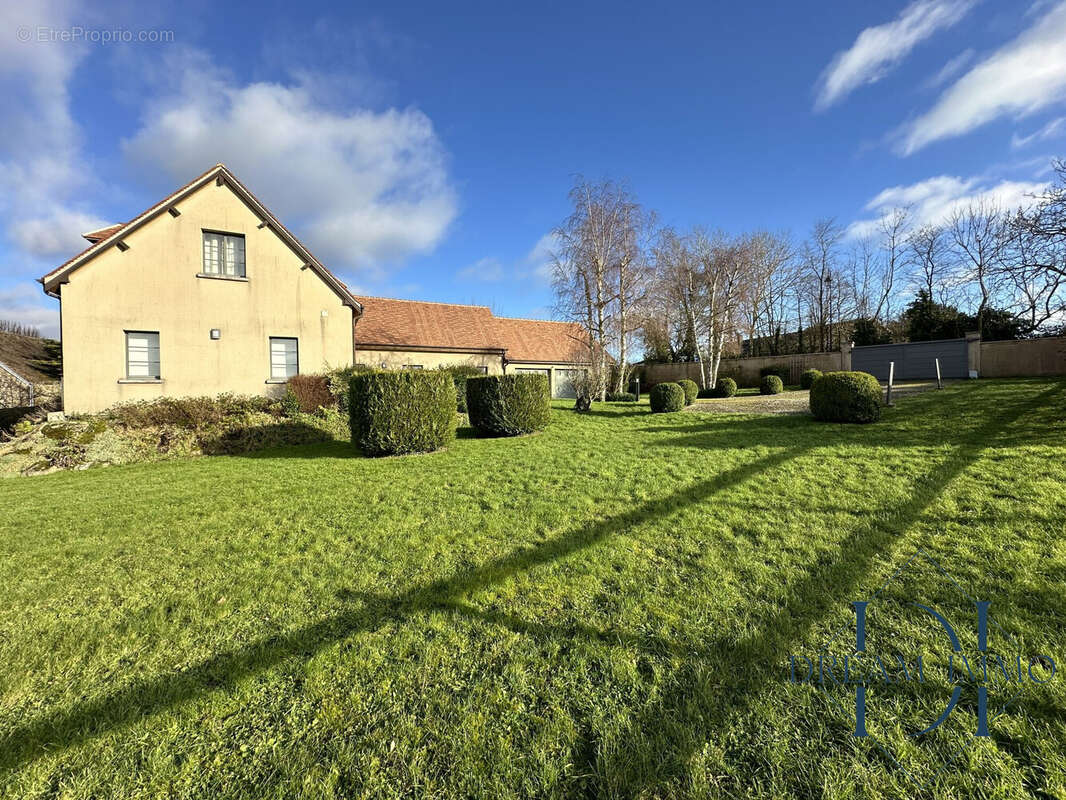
{"x":914,"y":360}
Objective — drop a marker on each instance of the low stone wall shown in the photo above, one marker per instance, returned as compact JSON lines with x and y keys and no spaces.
{"x":14,"y":391}
{"x":745,"y":371}
{"x":1023,"y":358}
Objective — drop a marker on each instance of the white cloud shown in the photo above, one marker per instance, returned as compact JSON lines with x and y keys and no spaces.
{"x":536,"y":265}
{"x":484,"y":269}
{"x":363,"y":188}
{"x":24,"y":303}
{"x":1022,"y":77}
{"x":1053,"y":128}
{"x":42,"y":171}
{"x":539,"y":260}
{"x":877,"y":50}
{"x":952,"y":68}
{"x":933,"y":200}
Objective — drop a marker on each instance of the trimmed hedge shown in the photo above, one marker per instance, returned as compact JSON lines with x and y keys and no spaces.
{"x":621,"y":397}
{"x":808,"y":378}
{"x":459,"y":373}
{"x":725,"y":387}
{"x":846,"y":397}
{"x":771,"y":384}
{"x":508,"y":405}
{"x":393,"y":413}
{"x":690,"y":389}
{"x":780,"y":371}
{"x":666,"y":397}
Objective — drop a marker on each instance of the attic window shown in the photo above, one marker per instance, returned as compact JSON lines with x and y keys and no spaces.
{"x":223,"y":254}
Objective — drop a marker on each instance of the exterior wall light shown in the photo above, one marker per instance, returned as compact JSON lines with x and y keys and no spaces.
{"x":216,"y":333}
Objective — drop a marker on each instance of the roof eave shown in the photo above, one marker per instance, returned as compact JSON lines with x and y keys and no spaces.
{"x":56,"y":276}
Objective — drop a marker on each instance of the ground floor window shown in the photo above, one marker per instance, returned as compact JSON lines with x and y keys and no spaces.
{"x":412,"y":366}
{"x":142,"y":355}
{"x":284,"y":357}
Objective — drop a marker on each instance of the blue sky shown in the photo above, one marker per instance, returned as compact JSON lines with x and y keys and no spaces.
{"x":426,"y":150}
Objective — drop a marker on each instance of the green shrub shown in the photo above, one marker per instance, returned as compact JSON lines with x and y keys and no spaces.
{"x":190,"y":413}
{"x":808,"y":378}
{"x":846,"y":397}
{"x":340,"y":381}
{"x":459,"y":373}
{"x":771,"y":384}
{"x":290,"y":403}
{"x":621,"y":397}
{"x":666,"y":397}
{"x":690,"y":389}
{"x":508,"y":405}
{"x":311,"y":392}
{"x":779,"y":370}
{"x":725,"y":387}
{"x":393,"y":413}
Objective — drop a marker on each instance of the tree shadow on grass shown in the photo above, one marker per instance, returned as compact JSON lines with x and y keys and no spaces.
{"x":658,"y":745}
{"x":688,"y":707}
{"x":62,"y":729}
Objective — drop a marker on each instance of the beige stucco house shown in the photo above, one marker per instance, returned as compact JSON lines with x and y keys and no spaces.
{"x":207,"y":292}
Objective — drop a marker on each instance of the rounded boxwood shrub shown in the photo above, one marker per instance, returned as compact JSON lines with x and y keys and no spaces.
{"x":771,"y":384}
{"x":725,"y":387}
{"x":779,"y":370}
{"x":808,"y":378}
{"x":846,"y":397}
{"x":393,"y":413}
{"x":508,"y":405}
{"x":666,"y":397}
{"x":621,"y":397}
{"x":690,"y":389}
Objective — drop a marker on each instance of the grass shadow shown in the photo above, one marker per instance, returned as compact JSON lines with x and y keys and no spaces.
{"x":62,"y":729}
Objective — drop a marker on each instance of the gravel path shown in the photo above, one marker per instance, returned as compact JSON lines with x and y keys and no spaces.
{"x":789,"y":402}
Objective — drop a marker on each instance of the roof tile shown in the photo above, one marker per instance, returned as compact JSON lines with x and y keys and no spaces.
{"x":387,"y":322}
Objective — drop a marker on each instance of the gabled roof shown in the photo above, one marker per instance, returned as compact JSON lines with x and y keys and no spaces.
{"x":389,"y":324}
{"x":543,"y":340}
{"x":102,"y":233}
{"x":418,"y":324}
{"x":112,"y":235}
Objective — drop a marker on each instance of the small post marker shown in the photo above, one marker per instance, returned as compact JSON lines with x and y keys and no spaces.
{"x":637,"y":380}
{"x":939,"y":382}
{"x":891,"y":377}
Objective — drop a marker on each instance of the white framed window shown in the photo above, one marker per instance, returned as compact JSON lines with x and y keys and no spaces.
{"x":223,"y":254}
{"x":482,"y":369}
{"x":412,"y":366}
{"x":142,"y":355}
{"x":284,"y":357}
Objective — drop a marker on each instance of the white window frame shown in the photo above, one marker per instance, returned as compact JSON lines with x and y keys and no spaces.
{"x":230,"y":255}
{"x":279,"y":372}
{"x":149,"y":374}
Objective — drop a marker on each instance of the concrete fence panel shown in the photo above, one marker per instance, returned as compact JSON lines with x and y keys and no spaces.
{"x":1023,"y":358}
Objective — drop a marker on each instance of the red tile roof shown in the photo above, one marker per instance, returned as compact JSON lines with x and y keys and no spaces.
{"x":542,"y":340}
{"x":102,"y":233}
{"x":413,"y":324}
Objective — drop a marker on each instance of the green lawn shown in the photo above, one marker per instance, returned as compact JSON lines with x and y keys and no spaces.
{"x":603,"y":609}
